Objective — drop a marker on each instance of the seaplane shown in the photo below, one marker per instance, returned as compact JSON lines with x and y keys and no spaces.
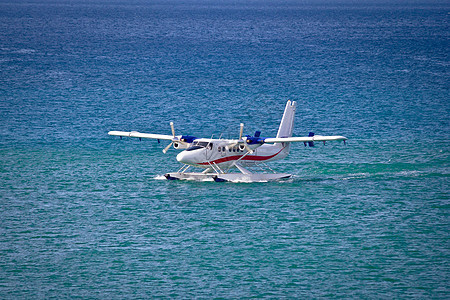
{"x":219,"y":158}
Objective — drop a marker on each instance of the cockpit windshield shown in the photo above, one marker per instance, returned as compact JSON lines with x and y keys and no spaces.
{"x":199,"y":145}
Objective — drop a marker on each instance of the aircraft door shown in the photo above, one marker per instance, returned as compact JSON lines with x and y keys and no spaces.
{"x":222,"y":150}
{"x":209,"y":151}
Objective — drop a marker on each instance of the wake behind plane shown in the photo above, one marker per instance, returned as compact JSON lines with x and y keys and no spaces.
{"x":217,"y":157}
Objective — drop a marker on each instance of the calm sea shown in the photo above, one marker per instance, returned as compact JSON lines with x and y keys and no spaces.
{"x":86,"y":215}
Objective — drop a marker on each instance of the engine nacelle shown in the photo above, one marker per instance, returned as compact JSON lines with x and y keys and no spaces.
{"x":180,"y":145}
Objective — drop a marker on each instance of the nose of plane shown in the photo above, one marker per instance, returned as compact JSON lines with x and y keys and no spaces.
{"x":185,"y":157}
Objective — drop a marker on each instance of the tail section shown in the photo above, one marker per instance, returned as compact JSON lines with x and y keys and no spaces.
{"x":286,"y":128}
{"x":287,"y":122}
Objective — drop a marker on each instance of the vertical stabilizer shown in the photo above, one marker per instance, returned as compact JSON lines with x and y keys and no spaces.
{"x":287,"y":122}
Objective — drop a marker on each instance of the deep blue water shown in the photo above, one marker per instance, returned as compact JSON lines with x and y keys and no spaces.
{"x":83,"y":214}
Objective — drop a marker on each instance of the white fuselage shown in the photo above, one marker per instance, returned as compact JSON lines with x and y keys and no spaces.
{"x":206,"y":152}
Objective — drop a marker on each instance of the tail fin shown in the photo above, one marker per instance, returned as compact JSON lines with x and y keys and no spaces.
{"x":287,"y":122}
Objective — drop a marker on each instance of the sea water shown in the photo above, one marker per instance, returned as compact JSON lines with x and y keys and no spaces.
{"x":86,"y":215}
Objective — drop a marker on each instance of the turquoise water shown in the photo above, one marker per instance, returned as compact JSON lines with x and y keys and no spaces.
{"x":87,"y":215}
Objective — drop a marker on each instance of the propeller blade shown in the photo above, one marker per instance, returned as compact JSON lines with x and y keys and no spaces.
{"x":241,"y":131}
{"x":173,"y":129}
{"x":167,"y":148}
{"x":230,"y":146}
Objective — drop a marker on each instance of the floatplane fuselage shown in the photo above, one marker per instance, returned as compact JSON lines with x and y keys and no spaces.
{"x":218,"y":156}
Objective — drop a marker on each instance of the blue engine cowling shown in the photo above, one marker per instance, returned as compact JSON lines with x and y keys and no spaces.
{"x":256,"y":139}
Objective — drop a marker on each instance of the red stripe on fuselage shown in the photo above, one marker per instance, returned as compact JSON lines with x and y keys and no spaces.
{"x":236,"y":157}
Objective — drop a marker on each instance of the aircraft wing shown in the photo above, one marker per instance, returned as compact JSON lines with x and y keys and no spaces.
{"x":316,"y":138}
{"x":141,"y":135}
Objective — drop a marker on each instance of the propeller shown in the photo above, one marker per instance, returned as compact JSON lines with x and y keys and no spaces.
{"x":242,"y":141}
{"x":241,"y":131}
{"x":173,"y":129}
{"x":173,"y":140}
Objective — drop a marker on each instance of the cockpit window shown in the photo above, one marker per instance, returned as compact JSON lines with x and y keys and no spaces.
{"x":200,"y":145}
{"x":194,"y":148}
